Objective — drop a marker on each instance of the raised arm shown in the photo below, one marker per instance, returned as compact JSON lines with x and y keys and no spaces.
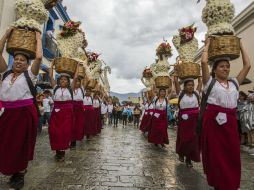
{"x":204,"y":62}
{"x":177,"y":85}
{"x":3,"y":65}
{"x":199,"y":87}
{"x":75,"y":78}
{"x":37,"y":61}
{"x":246,"y":65}
{"x":51,"y":77}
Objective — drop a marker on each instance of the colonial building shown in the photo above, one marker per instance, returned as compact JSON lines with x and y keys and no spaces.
{"x":243,"y":24}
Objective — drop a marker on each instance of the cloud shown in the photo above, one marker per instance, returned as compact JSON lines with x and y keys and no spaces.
{"x":127,"y":32}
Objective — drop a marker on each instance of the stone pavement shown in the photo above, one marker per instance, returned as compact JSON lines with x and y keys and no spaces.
{"x":118,"y":159}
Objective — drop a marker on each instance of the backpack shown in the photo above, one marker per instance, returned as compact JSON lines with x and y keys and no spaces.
{"x":30,"y":85}
{"x":204,"y":103}
{"x":69,"y":88}
{"x":182,"y":95}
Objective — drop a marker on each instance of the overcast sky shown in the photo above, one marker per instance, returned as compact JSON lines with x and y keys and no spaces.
{"x":127,"y":32}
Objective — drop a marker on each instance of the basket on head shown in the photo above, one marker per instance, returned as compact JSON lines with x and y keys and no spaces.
{"x":65,"y":65}
{"x":81,"y":71}
{"x":163,"y":82}
{"x":22,"y":40}
{"x":188,"y":70}
{"x":224,"y":46}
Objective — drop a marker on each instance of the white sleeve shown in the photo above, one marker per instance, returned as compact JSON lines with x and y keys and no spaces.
{"x":32,"y":76}
{"x":205,"y":88}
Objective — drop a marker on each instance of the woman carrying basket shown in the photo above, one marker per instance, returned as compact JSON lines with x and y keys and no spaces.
{"x":187,"y":143}
{"x":220,"y":139}
{"x":19,"y":118}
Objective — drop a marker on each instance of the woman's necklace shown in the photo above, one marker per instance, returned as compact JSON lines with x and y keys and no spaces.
{"x":223,"y":85}
{"x":13,"y":79}
{"x":62,"y":90}
{"x":161,"y":102}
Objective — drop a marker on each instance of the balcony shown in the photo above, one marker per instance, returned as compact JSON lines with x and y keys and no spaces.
{"x":50,"y":50}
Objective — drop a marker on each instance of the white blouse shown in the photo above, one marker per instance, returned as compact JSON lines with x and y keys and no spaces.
{"x":62,"y":94}
{"x":189,"y":101}
{"x":77,"y":95}
{"x":87,"y":101}
{"x":96,"y":103}
{"x":19,"y":90}
{"x":160,"y":105}
{"x":221,"y":96}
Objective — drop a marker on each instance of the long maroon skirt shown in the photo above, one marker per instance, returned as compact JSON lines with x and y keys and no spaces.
{"x":79,"y":121}
{"x":60,"y":125}
{"x":187,"y":142}
{"x":89,"y":115}
{"x":18,"y":129}
{"x":221,"y":149}
{"x":158,"y":133}
{"x":97,"y":122}
{"x":146,"y":120}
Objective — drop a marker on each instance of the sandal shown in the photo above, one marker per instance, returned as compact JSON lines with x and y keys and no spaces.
{"x":18,"y":181}
{"x":181,"y":158}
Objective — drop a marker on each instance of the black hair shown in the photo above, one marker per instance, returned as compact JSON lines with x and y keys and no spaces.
{"x":241,"y":93}
{"x":68,"y":79}
{"x":187,"y":81}
{"x":215,"y":65}
{"x":46,"y":92}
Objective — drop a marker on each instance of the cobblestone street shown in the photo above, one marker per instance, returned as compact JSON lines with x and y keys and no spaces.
{"x":120,"y":158}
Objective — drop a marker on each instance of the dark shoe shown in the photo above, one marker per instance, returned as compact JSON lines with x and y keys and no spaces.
{"x":163,"y":146}
{"x":73,"y":145}
{"x":181,"y":158}
{"x":13,"y":178}
{"x":18,"y":181}
{"x":59,"y":157}
{"x":188,"y":163}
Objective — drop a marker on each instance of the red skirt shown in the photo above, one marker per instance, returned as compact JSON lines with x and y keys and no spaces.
{"x":60,"y":125}
{"x":18,"y":129}
{"x":146,"y":121}
{"x":158,"y":133}
{"x":221,"y":149}
{"x":187,"y":142}
{"x":97,"y":124}
{"x":89,"y":115}
{"x":79,"y":121}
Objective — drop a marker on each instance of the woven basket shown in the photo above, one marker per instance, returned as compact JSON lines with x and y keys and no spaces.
{"x":147,"y":73}
{"x":65,"y":65}
{"x":92,"y":83}
{"x":50,"y":4}
{"x":163,"y":82}
{"x":81,"y":71}
{"x":224,"y":46}
{"x":22,"y":40}
{"x":188,"y":70}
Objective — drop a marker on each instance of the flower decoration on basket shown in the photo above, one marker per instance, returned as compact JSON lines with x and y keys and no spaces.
{"x":92,"y":56}
{"x":187,"y":33}
{"x":70,"y":28}
{"x":164,"y":48}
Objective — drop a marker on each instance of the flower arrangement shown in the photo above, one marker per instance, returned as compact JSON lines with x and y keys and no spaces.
{"x":92,"y":56}
{"x":70,"y":28}
{"x":30,"y":14}
{"x":187,"y":33}
{"x":218,"y":16}
{"x":164,"y":49}
{"x":186,"y":43}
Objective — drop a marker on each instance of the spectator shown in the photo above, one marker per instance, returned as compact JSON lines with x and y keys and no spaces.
{"x":47,"y":102}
